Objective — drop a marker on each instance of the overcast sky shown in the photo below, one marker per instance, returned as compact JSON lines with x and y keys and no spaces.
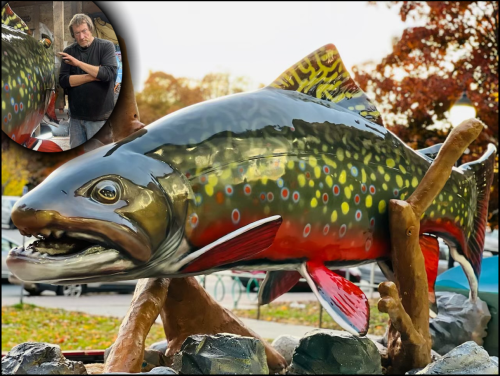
{"x":257,"y":40}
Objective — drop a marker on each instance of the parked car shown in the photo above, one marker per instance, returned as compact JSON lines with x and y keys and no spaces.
{"x":302,"y":285}
{"x":443,"y":265}
{"x":7,"y":204}
{"x":15,"y":239}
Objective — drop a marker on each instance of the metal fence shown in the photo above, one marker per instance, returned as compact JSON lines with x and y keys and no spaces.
{"x":252,"y":287}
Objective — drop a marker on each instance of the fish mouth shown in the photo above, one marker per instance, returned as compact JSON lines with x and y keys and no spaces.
{"x":60,"y":256}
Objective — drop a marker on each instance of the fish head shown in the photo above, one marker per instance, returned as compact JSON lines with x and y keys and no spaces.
{"x":100,"y":215}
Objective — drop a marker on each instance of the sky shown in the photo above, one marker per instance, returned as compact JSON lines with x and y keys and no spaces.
{"x":253,"y":39}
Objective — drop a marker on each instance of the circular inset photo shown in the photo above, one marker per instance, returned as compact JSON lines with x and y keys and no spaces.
{"x":61,"y":73}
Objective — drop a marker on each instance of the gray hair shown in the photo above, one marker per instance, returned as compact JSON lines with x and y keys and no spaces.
{"x":79,"y":19}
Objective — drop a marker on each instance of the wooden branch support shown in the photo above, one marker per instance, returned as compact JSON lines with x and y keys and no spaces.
{"x":406,"y":302}
{"x":185,"y":309}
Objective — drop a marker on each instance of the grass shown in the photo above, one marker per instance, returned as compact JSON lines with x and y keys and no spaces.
{"x":70,"y":330}
{"x":81,"y":331}
{"x":309,"y":315}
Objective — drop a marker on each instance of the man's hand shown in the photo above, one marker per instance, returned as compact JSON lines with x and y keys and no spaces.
{"x":68,"y":59}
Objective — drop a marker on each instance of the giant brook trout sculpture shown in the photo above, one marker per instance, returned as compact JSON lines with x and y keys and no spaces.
{"x":28,"y":82}
{"x":294,"y":178}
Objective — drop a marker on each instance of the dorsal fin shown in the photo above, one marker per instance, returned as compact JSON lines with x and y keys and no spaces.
{"x":430,"y":152}
{"x":322,"y":74}
{"x":11,"y":19}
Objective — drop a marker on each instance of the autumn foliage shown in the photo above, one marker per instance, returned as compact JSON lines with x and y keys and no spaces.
{"x":456,"y":50}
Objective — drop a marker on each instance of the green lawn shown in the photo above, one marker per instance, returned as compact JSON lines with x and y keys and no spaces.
{"x":81,"y":331}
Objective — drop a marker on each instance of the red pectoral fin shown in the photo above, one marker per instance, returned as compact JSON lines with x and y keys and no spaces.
{"x":45,"y":146}
{"x":342,"y":299}
{"x":235,"y":246}
{"x":276,"y":284}
{"x":430,"y":249}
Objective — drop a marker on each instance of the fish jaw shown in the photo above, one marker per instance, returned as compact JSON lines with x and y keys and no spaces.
{"x":74,"y":247}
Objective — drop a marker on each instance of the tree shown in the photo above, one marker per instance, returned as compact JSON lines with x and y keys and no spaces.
{"x":429,"y":68}
{"x":164,"y":94}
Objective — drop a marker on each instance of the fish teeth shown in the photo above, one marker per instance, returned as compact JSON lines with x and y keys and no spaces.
{"x":58,"y":233}
{"x":45,"y":232}
{"x":80,"y":235}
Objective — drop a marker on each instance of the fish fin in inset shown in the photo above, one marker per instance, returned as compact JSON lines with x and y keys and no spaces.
{"x":431,"y":152}
{"x":342,"y":299}
{"x":430,"y":250}
{"x":276,"y":284}
{"x":322,"y":75}
{"x":11,"y":19}
{"x":235,"y":246}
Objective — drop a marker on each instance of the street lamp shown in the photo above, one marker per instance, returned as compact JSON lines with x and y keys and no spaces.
{"x":461,"y":110}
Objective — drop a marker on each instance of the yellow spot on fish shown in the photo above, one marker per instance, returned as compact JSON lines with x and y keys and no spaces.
{"x":399,"y":181}
{"x":380,"y":169}
{"x":311,"y":183}
{"x":450,"y":198}
{"x":334,"y":216}
{"x":290,"y":165}
{"x":317,"y":171}
{"x":314,"y":202}
{"x":369,"y":201}
{"x":226,"y":174}
{"x":461,"y":222}
{"x":212,"y":180}
{"x":414,"y":182}
{"x":347,"y":192}
{"x":372,"y":176}
{"x":407,"y":183}
{"x":302,"y":180}
{"x":312,"y":161}
{"x":198,"y":200}
{"x":381,"y":207}
{"x":348,"y":154}
{"x":403,"y":196}
{"x":363,"y":176}
{"x":345,"y":207}
{"x":390,"y":163}
{"x":387,"y":177}
{"x":324,"y":148}
{"x":466,"y":214}
{"x":209,"y":189}
{"x":329,"y":181}
{"x":264,"y":180}
{"x":318,"y":194}
{"x":385,"y":187}
{"x":356,"y":156}
{"x":340,"y":154}
{"x":359,"y":107}
{"x":267,"y":209}
{"x":349,"y":165}
{"x":432,"y":214}
{"x":342,"y":177}
{"x":3,"y":105}
{"x":457,"y":218}
{"x":402,"y":169}
{"x":366,"y":160}
{"x":329,"y":162}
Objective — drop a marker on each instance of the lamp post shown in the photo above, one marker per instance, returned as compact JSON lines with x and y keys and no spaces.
{"x":461,"y":110}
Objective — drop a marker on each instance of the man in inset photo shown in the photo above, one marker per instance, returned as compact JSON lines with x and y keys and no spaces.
{"x":88,"y":74}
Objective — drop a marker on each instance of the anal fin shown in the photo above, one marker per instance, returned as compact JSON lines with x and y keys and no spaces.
{"x":235,"y":246}
{"x":276,"y":284}
{"x":430,"y":250}
{"x":342,"y":299}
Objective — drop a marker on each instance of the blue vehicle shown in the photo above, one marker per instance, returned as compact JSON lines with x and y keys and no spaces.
{"x":454,"y":280}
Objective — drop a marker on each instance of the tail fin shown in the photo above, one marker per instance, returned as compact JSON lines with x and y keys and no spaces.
{"x":481,"y":174}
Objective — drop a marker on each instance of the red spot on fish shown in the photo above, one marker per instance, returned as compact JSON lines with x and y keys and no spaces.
{"x":368,"y":244}
{"x":270,"y":196}
{"x":188,"y":175}
{"x":307,"y":230}
{"x":5,"y":120}
{"x":247,"y":189}
{"x":235,"y":216}
{"x":193,"y":220}
{"x":325,"y":198}
{"x":396,"y":193}
{"x":284,"y":193}
{"x":372,"y":222}
{"x":326,"y":169}
{"x":15,"y":107}
{"x":326,"y":229}
{"x":358,"y":215}
{"x":357,"y":199}
{"x":219,"y":197}
{"x":241,"y":170}
{"x":342,"y":230}
{"x":372,"y":189}
{"x":296,"y":196}
{"x":203,"y":179}
{"x":336,"y":190}
{"x":308,"y":175}
{"x":262,"y":196}
{"x":292,"y":129}
{"x":363,"y":188}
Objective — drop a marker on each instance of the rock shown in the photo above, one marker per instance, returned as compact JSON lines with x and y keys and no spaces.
{"x":159,"y":346}
{"x":94,"y":368}
{"x":223,"y":353}
{"x":324,"y":351}
{"x":286,"y":345}
{"x":466,"y":359}
{"x":152,"y":359}
{"x":39,"y":358}
{"x":162,"y":371}
{"x":458,"y":321}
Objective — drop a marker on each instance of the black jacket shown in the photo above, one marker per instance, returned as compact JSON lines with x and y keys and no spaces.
{"x":93,"y":100}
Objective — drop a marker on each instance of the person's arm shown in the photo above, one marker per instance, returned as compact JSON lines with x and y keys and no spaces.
{"x":64,"y":74}
{"x":107,"y":60}
{"x":80,"y":79}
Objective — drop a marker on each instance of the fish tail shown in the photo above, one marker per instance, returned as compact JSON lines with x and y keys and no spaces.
{"x":480,"y":173}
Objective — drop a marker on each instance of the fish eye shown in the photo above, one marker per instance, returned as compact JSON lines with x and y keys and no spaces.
{"x":106,"y":192}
